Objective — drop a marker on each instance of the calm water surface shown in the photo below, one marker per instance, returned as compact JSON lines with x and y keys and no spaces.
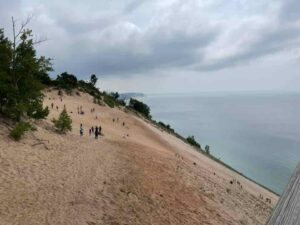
{"x":257,"y":134}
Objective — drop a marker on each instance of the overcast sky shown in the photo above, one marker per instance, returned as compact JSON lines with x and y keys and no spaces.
{"x":169,"y":45}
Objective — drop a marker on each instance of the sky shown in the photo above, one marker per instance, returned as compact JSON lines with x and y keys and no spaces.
{"x":168,"y":46}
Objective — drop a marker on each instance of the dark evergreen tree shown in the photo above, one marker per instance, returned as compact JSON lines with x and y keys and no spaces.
{"x":21,"y":75}
{"x":140,"y":107}
{"x":93,"y":79}
{"x":67,"y":81}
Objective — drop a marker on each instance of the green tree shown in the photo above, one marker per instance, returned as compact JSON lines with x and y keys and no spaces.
{"x":140,"y":107}
{"x":67,"y":81}
{"x":93,"y":79}
{"x":21,"y":74}
{"x":115,"y":95}
{"x":64,"y":122}
{"x":207,"y":149}
{"x":191,"y":140}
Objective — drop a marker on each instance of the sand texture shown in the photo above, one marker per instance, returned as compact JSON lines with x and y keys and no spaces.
{"x":133,"y":174}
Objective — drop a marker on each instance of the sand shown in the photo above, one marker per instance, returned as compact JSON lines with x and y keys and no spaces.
{"x":133,"y":174}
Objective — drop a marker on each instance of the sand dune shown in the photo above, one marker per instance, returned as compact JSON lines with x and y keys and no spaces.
{"x":133,"y":174}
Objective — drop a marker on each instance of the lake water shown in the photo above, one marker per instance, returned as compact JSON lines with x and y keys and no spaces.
{"x":257,"y":134}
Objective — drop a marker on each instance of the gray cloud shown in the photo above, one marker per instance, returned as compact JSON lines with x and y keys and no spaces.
{"x":290,"y":10}
{"x":109,"y":38}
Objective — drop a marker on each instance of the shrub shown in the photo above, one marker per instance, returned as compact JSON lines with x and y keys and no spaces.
{"x":19,"y":130}
{"x":66,"y":81}
{"x":36,"y":110}
{"x":207,"y":149}
{"x":63,"y":123}
{"x":140,"y":107}
{"x":109,"y":100}
{"x":191,"y":140}
{"x":166,"y":126}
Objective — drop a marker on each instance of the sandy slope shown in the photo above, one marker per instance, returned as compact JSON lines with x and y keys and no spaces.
{"x":134,"y":174}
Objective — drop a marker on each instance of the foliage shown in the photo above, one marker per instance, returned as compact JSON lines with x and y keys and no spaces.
{"x":115,"y":95}
{"x":140,"y":107}
{"x":66,"y":81}
{"x":93,"y":79}
{"x":36,"y":109}
{"x":191,"y":140}
{"x":21,"y":76}
{"x":207,"y":149}
{"x":63,"y":123}
{"x":109,"y":100}
{"x":166,"y":126}
{"x":88,"y":88}
{"x":19,"y":130}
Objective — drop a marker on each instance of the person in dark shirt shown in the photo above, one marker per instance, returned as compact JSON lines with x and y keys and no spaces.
{"x":96,"y":133}
{"x":81,"y":130}
{"x":100,"y":129}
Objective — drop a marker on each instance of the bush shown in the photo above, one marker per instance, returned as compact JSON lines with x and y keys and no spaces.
{"x":36,"y":110}
{"x":19,"y":130}
{"x":191,"y":140}
{"x":109,"y":100}
{"x":166,"y":126}
{"x":63,"y":123}
{"x":140,"y":107}
{"x":67,"y":81}
{"x":207,"y":149}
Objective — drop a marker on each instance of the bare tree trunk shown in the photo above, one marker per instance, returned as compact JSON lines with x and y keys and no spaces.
{"x":14,"y":55}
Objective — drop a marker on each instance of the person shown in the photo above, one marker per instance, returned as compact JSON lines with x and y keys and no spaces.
{"x":52,"y":105}
{"x":96,"y":132}
{"x":81,"y":130}
{"x":123,"y":124}
{"x":93,"y":129}
{"x":100,"y":128}
{"x":90,"y":131}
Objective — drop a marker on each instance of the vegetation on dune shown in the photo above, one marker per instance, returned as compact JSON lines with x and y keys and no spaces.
{"x":64,"y":122}
{"x":207,"y":151}
{"x":191,"y":140}
{"x":22,"y":76}
{"x":167,"y":127}
{"x":140,"y":107}
{"x":19,"y":130}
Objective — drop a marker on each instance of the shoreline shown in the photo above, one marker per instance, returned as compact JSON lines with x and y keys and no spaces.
{"x":155,"y":124}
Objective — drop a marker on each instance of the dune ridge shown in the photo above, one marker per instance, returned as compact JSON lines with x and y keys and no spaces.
{"x":133,"y":174}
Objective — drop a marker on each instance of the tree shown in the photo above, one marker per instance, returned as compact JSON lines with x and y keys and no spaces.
{"x":21,"y":73}
{"x":67,"y":81}
{"x":63,"y":123}
{"x":207,"y":149}
{"x":115,"y":95}
{"x":93,"y":79}
{"x":191,"y":140}
{"x":140,"y":107}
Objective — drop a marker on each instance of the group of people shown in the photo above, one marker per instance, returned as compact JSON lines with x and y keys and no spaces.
{"x":268,"y":200}
{"x":97,"y":131}
{"x":79,"y":110}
